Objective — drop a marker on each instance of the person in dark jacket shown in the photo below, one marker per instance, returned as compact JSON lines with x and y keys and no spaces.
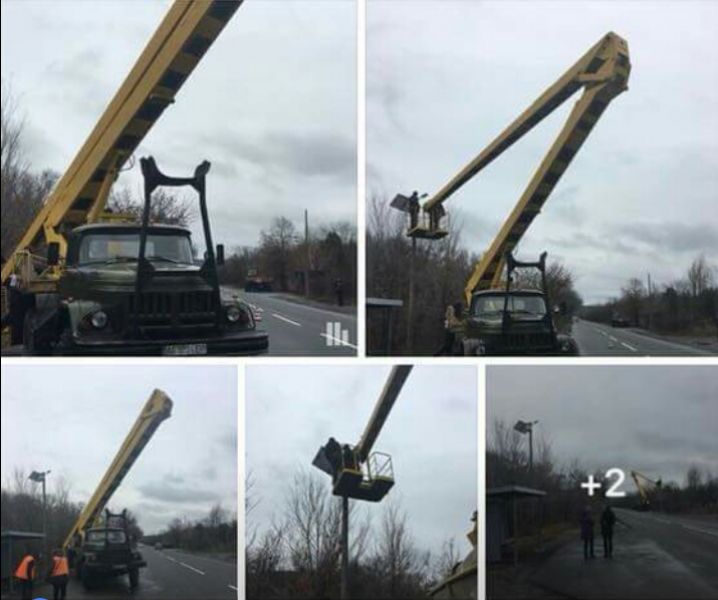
{"x":586,"y":522}
{"x":608,"y":522}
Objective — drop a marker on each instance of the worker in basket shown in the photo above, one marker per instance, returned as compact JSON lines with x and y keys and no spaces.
{"x":59,"y":575}
{"x":25,"y":574}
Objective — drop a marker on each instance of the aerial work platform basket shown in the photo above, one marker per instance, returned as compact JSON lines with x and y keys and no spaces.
{"x":370,"y":484}
{"x":370,"y":481}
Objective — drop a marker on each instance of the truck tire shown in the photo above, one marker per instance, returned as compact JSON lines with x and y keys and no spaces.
{"x":87,"y":580}
{"x":34,"y":345}
{"x":134,"y":579}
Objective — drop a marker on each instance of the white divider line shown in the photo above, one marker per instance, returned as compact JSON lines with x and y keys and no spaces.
{"x":338,"y":342}
{"x":191,"y":568}
{"x":287,"y":320}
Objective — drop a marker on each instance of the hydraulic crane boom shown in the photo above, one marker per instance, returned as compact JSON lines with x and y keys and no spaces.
{"x":187,"y":31}
{"x":603,"y":74}
{"x":388,"y":396}
{"x":157,"y":409}
{"x":641,"y":480}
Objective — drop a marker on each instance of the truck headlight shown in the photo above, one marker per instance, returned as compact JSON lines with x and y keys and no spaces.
{"x":233,"y":314}
{"x":99,"y":319}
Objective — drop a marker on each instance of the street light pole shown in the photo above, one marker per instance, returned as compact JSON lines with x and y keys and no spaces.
{"x":527,"y":427}
{"x":345,"y":549}
{"x":41,"y":477}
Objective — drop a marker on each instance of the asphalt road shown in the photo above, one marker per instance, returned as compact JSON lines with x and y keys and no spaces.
{"x":169,"y":575}
{"x":297,"y":329}
{"x":656,"y":557}
{"x":596,"y":339}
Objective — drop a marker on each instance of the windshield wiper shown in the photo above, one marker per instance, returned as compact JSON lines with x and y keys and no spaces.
{"x":165,"y":258}
{"x":111,"y":259}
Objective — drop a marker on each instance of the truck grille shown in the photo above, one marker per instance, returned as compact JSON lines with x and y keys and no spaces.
{"x":520,"y":341}
{"x":172,"y":314}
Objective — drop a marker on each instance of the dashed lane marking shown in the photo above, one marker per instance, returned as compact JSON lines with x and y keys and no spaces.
{"x":191,"y":568}
{"x":338,"y":342}
{"x":287,"y":320}
{"x":700,"y":530}
{"x":631,"y":348}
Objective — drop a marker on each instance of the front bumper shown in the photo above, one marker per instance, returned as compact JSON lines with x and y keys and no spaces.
{"x":107,"y":570}
{"x":241,"y":343}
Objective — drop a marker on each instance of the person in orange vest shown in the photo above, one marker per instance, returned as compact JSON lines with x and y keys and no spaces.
{"x":25,"y":573}
{"x":59,"y":575}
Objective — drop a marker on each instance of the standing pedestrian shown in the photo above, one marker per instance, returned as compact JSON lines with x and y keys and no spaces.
{"x":59,"y":575}
{"x":608,"y":522}
{"x":452,"y":325}
{"x":339,"y":291}
{"x":587,"y":523}
{"x":25,"y":574}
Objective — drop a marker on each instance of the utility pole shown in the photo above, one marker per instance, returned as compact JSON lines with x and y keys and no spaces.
{"x":527,"y":427}
{"x":40,"y":477}
{"x":345,"y":548}
{"x":309,"y":253}
{"x":410,"y":307}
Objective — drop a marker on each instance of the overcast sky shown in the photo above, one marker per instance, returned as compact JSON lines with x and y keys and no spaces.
{"x":272,"y":105}
{"x":444,"y":78}
{"x":658,"y":420}
{"x":73,"y":422}
{"x":430,"y":434}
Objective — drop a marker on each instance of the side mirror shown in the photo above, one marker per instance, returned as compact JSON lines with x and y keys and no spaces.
{"x":219,"y":258}
{"x":53,"y":254}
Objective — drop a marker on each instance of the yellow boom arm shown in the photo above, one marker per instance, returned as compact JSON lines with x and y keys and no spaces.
{"x":603,"y":74}
{"x":383,"y":407}
{"x":157,"y":409}
{"x":187,"y":31}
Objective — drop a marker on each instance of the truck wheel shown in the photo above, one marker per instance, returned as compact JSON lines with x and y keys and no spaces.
{"x":134,"y":579}
{"x":34,"y":345}
{"x":86,"y":581}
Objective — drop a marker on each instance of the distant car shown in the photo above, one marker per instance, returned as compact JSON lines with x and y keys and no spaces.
{"x":158,"y":546}
{"x":620,"y":321}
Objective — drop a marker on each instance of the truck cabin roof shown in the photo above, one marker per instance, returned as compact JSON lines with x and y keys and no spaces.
{"x":129,"y":228}
{"x":498,"y":291}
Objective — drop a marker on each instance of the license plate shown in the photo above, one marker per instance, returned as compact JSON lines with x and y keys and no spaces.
{"x":185,"y":350}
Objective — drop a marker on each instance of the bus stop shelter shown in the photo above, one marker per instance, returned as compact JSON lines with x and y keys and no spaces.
{"x":502,"y":517}
{"x":13,"y":545}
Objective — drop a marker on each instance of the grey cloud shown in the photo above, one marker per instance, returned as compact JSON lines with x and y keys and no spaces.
{"x":168,"y":491}
{"x":309,"y":154}
{"x":674,"y":237}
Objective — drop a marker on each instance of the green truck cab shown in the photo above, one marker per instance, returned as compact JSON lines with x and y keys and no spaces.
{"x":508,"y":321}
{"x":137,"y":289}
{"x":107,"y":551}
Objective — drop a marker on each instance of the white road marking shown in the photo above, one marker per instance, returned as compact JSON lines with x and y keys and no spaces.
{"x":231,"y":587}
{"x":631,"y":348}
{"x":191,"y":568}
{"x":698,"y":529}
{"x":336,"y":341}
{"x":287,"y":320}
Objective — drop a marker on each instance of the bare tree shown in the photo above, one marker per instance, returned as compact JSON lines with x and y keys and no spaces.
{"x":276,"y":244}
{"x":22,"y":191}
{"x":166,"y":208}
{"x":700,"y":276}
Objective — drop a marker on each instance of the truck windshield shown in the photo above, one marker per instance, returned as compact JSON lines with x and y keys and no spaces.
{"x":102,"y":247}
{"x":112,"y":536}
{"x":488,"y":305}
